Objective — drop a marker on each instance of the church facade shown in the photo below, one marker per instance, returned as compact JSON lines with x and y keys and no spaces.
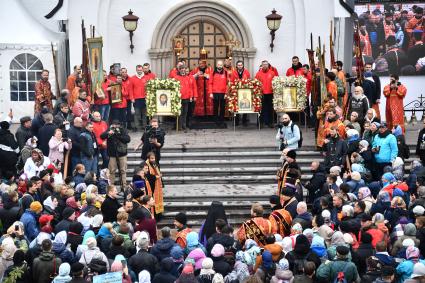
{"x":25,"y":45}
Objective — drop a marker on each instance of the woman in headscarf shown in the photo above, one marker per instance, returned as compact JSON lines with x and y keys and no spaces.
{"x":103,"y":181}
{"x":144,"y":277}
{"x":319,"y":248}
{"x":59,"y":248}
{"x":83,"y":247}
{"x":371,"y":116}
{"x":37,"y":163}
{"x":301,"y":253}
{"x":187,"y":275}
{"x":366,"y":196}
{"x":117,"y":266}
{"x":405,"y":269}
{"x":398,"y":169}
{"x":207,"y":272}
{"x":63,"y":277}
{"x":8,"y":249}
{"x":50,"y":204}
{"x":93,"y":252}
{"x":193,"y":243}
{"x":337,"y":240}
{"x":19,"y":270}
{"x":92,"y":194}
{"x":208,"y":228}
{"x":239,"y":274}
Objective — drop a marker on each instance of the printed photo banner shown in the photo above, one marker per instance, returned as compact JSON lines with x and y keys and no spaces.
{"x":163,"y":97}
{"x":290,"y":94}
{"x":244,"y":96}
{"x":95,"y":45}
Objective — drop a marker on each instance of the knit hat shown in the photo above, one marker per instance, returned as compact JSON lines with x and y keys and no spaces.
{"x":176,"y":252}
{"x":352,"y":133}
{"x":335,"y":170}
{"x":389,"y":177}
{"x":77,"y":267}
{"x":326,"y":213}
{"x":292,"y":154}
{"x":418,"y":210}
{"x":207,"y":263}
{"x":283,"y":264}
{"x":408,"y":243}
{"x":378,"y":217}
{"x":364,"y":143}
{"x":44,"y":219}
{"x":356,"y":176}
{"x":4,"y":125}
{"x":43,"y":173}
{"x":36,"y":207}
{"x":410,"y":229}
{"x":217,"y":250}
{"x":67,"y":212}
{"x":181,"y":218}
{"x":97,"y":220}
{"x":267,"y":259}
{"x":412,"y":252}
{"x":274,"y":199}
{"x":342,"y":251}
{"x":25,"y":119}
{"x":418,"y":270}
{"x":143,"y":240}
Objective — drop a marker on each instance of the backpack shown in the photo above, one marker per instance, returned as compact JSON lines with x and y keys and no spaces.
{"x":300,"y":141}
{"x":299,"y":264}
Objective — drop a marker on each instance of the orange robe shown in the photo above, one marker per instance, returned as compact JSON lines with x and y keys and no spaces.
{"x":332,"y":89}
{"x":181,"y":237}
{"x":157,"y":192}
{"x":415,"y":24}
{"x":265,"y":226}
{"x":281,"y":221}
{"x":70,"y":82}
{"x":43,"y":96}
{"x":321,"y":116}
{"x":338,"y":124}
{"x":394,"y":112}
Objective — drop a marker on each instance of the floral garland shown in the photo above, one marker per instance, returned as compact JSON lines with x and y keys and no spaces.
{"x":153,"y":85}
{"x":279,"y":83}
{"x":232,"y":94}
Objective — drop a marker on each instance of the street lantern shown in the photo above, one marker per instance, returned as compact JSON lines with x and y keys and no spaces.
{"x":273,"y":23}
{"x":130,"y":25}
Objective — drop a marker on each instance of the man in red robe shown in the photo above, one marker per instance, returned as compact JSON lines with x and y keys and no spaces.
{"x":118,"y":110}
{"x":240,"y":73}
{"x":296,"y":69}
{"x":364,"y":37}
{"x":395,"y":93}
{"x":256,"y":228}
{"x":204,"y":104}
{"x":70,"y":82}
{"x":43,"y":93}
{"x":143,"y":75}
{"x":265,"y":75}
{"x":415,"y":23}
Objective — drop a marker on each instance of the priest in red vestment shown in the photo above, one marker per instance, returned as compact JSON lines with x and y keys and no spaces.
{"x":43,"y":93}
{"x":204,"y":104}
{"x":256,"y":228}
{"x":188,"y":94}
{"x":394,"y":111}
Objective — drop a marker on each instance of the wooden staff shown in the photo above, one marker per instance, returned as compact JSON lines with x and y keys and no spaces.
{"x":66,"y":163}
{"x":56,"y":70}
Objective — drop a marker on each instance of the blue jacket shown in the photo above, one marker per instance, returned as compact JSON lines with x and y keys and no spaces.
{"x":29,"y":219}
{"x":291,"y":137}
{"x":388,"y":148}
{"x":405,"y":269}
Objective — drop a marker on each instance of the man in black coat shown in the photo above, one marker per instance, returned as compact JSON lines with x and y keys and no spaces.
{"x":143,"y":260}
{"x":9,"y":149}
{"x":335,"y":149}
{"x":23,"y":133}
{"x":162,"y":248}
{"x":46,"y":133}
{"x":364,"y":251}
{"x":316,"y":181}
{"x":68,"y":217}
{"x":74,"y":134}
{"x":110,"y":205}
{"x":164,"y":275}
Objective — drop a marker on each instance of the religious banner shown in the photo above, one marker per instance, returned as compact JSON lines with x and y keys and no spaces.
{"x":244,"y":96}
{"x":289,"y":94}
{"x":163,"y":97}
{"x":96,"y":65}
{"x":116,"y":93}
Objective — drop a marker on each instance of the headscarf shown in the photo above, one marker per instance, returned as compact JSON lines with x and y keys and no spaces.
{"x":207,"y":267}
{"x":49,"y":202}
{"x":63,"y":277}
{"x":198,"y":256}
{"x":287,"y":245}
{"x":397,"y":131}
{"x":60,"y":238}
{"x":337,"y":239}
{"x":296,"y":229}
{"x":373,"y":115}
{"x":283,"y":264}
{"x":104,"y":232}
{"x":384,"y":196}
{"x":104,"y":174}
{"x":97,"y":220}
{"x":365,"y":191}
{"x":309,"y":234}
{"x":144,"y":277}
{"x":8,"y":248}
{"x":192,"y":239}
{"x":40,"y":155}
{"x":215,"y":211}
{"x":412,"y":253}
{"x":116,"y":266}
{"x":87,"y":235}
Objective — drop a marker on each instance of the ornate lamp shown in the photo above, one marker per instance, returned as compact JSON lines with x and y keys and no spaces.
{"x":273,"y":23}
{"x":130,"y":25}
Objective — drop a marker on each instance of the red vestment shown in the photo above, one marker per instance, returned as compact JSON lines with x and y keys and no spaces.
{"x":389,"y":29}
{"x":204,"y":105}
{"x":43,"y":96}
{"x":332,"y":89}
{"x":264,"y":224}
{"x":367,"y":49}
{"x":181,"y":237}
{"x":394,"y":112}
{"x":415,"y":24}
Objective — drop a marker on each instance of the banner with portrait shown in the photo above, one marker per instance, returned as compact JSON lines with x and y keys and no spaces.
{"x":163,"y":97}
{"x":244,"y":96}
{"x":116,"y":93}
{"x":95,"y":45}
{"x":290,"y":94}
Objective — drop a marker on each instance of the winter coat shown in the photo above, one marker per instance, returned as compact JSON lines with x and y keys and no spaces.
{"x":74,"y":134}
{"x":163,"y":248}
{"x":110,"y":209}
{"x":398,"y":245}
{"x":218,"y":82}
{"x":327,"y":272}
{"x":29,"y":219}
{"x":405,"y":269}
{"x":81,"y":109}
{"x":301,"y":253}
{"x":316,"y":182}
{"x":388,"y":147}
{"x":221,"y":266}
{"x":335,"y":151}
{"x":217,"y":238}
{"x":266,"y":77}
{"x":88,"y":144}
{"x":95,"y":252}
{"x":44,"y":267}
{"x":420,"y":235}
{"x":116,"y":143}
{"x":9,"y":150}
{"x":291,"y":137}
{"x":165,"y":276}
{"x":12,"y":270}
{"x":188,"y":88}
{"x":143,"y":260}
{"x":63,"y":225}
{"x":63,"y":253}
{"x":9,"y":213}
{"x":44,"y":135}
{"x":22,"y":135}
{"x":360,"y":255}
{"x":57,"y":148}
{"x":304,"y":219}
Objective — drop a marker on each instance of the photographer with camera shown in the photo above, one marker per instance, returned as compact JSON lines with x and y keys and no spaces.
{"x":117,"y":139}
{"x":288,"y":134}
{"x":152,"y":140}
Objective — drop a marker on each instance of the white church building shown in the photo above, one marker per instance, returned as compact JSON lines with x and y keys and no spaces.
{"x":26,"y":37}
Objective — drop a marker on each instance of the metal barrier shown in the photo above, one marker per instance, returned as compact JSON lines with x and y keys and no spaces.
{"x":414,"y":106}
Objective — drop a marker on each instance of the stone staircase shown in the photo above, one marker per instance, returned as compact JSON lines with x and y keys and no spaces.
{"x":236,"y":176}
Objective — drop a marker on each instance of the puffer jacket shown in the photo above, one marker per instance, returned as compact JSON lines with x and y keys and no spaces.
{"x":163,"y":248}
{"x":388,"y":147}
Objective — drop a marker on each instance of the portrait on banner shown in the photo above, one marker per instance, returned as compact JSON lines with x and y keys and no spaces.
{"x":245,"y":100}
{"x":116,"y":93}
{"x":289,"y":98}
{"x":163,"y":102}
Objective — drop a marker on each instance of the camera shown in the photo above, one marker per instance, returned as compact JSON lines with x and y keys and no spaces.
{"x":116,"y":130}
{"x":151,"y":132}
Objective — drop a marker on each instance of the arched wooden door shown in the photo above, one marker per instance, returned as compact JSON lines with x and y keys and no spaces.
{"x":202,"y":34}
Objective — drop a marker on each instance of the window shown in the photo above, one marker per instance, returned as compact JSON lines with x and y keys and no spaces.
{"x":25,"y":71}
